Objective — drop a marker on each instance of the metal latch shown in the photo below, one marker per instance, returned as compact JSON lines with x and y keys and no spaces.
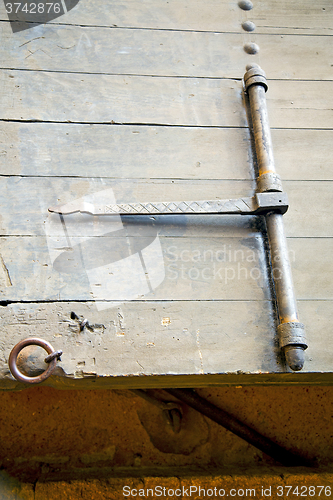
{"x":270,"y":201}
{"x":260,"y":203}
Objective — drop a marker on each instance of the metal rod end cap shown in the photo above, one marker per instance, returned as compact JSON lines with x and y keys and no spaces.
{"x":295,"y":357}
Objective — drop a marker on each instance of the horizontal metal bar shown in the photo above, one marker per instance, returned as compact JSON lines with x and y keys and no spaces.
{"x":228,"y":421}
{"x":258,"y":204}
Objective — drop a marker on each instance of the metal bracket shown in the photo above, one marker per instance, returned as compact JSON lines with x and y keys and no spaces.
{"x":270,"y":201}
{"x":51,"y":359}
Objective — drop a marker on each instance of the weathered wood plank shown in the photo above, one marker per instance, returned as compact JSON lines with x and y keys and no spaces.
{"x":303,"y":154}
{"x":86,"y":98}
{"x":209,"y":340}
{"x":299,"y":104}
{"x":24,"y":203}
{"x":317,"y":316}
{"x":163,"y":53}
{"x":312,"y":267}
{"x":292,"y":16}
{"x":275,"y":16}
{"x":51,"y":149}
{"x":149,"y":266}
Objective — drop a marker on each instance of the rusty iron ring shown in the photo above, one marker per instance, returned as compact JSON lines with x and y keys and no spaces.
{"x":16,"y":351}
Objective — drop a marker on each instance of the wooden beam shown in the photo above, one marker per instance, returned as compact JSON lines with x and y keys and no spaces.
{"x":24,"y":203}
{"x":188,"y":343}
{"x":144,"y":152}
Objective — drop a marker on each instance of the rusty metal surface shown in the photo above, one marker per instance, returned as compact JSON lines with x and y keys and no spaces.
{"x":156,"y":124}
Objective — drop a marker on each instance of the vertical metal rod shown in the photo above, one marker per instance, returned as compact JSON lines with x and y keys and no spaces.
{"x":290,"y":330}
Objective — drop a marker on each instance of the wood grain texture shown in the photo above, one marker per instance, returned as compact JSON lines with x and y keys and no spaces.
{"x":143,"y":152}
{"x":292,"y":16}
{"x":86,"y":98}
{"x":57,"y":97}
{"x":164,"y":53}
{"x":189,"y":342}
{"x":121,"y":151}
{"x":275,"y":16}
{"x":146,"y":99}
{"x":309,"y":214}
{"x":169,"y":268}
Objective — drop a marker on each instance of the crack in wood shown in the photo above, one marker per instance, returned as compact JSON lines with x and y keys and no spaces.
{"x":5,"y":273}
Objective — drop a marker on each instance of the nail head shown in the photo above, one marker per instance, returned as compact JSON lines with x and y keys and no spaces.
{"x":248,"y":26}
